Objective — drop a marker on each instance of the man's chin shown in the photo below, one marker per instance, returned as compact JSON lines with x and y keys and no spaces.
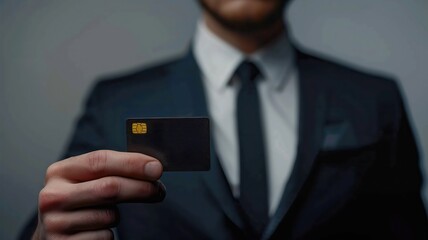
{"x":245,"y":26}
{"x":243,"y":21}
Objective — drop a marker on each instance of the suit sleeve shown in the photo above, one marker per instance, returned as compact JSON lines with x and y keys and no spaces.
{"x":408,"y":218}
{"x":87,"y":137}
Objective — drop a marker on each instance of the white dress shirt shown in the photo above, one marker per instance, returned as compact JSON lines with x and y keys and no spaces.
{"x":278,"y":91}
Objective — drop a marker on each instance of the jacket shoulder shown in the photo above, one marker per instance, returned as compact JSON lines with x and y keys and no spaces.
{"x":129,"y":85}
{"x":349,"y":83}
{"x":144,"y":75}
{"x":338,"y":74}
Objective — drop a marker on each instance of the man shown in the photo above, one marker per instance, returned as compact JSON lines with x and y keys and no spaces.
{"x":304,"y":148}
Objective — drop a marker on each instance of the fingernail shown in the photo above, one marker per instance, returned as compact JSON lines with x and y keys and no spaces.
{"x":160,"y":194}
{"x":153,"y":169}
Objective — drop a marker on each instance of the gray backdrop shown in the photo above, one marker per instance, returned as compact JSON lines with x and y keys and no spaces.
{"x":51,"y":52}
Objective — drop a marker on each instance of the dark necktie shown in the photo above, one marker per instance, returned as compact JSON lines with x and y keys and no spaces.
{"x":253,"y":181}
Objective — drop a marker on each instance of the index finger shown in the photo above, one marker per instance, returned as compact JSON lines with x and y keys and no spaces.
{"x":103,"y":163}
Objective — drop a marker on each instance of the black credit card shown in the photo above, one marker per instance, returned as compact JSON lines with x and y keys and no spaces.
{"x":181,"y":144}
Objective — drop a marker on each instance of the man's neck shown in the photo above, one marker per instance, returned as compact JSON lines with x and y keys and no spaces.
{"x":246,"y":42}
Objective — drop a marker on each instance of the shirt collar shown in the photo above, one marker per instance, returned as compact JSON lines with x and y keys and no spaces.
{"x":218,"y":59}
{"x":275,"y":60}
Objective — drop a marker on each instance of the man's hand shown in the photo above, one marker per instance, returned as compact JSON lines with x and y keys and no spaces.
{"x":80,"y":194}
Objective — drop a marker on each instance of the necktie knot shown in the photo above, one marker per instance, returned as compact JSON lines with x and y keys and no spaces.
{"x":247,"y":71}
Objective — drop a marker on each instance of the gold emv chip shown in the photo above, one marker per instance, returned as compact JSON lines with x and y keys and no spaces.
{"x":139,"y":128}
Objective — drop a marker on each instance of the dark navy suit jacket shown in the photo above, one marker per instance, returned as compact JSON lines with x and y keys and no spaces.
{"x":356,"y":175}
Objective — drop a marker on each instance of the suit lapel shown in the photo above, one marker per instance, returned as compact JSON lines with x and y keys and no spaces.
{"x":188,"y":99}
{"x":186,"y":90}
{"x":312,"y":107}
